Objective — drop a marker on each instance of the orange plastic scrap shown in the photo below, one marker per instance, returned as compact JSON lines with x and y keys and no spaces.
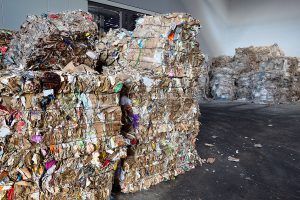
{"x":52,"y":149}
{"x":171,"y":37}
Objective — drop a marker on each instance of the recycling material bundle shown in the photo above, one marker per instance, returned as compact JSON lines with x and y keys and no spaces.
{"x":51,"y":41}
{"x":256,"y":74}
{"x":60,"y":135}
{"x":5,"y":38}
{"x":160,"y":113}
{"x":79,"y":113}
{"x":60,"y":129}
{"x":222,"y":82}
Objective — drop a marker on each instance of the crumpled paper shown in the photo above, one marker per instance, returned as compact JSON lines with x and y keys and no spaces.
{"x":51,"y":41}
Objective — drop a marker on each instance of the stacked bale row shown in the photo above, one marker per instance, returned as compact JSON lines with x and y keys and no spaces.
{"x":257,"y":74}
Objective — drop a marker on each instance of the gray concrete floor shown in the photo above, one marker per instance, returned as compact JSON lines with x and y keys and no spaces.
{"x":270,"y":172}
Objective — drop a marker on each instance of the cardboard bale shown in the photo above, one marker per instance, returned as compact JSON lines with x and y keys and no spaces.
{"x":60,"y":134}
{"x":222,"y":78}
{"x":256,"y":74}
{"x":160,"y":113}
{"x":162,"y":124}
{"x":51,"y":41}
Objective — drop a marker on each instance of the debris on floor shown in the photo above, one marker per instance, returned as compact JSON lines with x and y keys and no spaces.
{"x":210,"y":160}
{"x":233,"y":159}
{"x":258,"y":145}
{"x":209,"y":145}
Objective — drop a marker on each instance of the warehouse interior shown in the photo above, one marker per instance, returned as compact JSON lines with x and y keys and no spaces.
{"x":138,"y":100}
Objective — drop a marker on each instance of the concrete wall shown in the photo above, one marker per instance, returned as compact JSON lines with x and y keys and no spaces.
{"x":263,"y":22}
{"x":13,"y":12}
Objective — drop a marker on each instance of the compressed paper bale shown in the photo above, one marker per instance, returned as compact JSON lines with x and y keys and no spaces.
{"x":167,"y":50}
{"x":159,"y":111}
{"x":61,"y":136}
{"x":51,"y":41}
{"x":203,"y":92}
{"x":256,"y":74}
{"x":222,"y":78}
{"x":250,"y":57}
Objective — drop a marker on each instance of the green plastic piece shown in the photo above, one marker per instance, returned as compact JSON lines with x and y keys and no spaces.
{"x":118,"y":87}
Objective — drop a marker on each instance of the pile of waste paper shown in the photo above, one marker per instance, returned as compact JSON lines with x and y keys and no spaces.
{"x":78,"y":114}
{"x":5,"y":38}
{"x":222,"y":78}
{"x":111,"y":48}
{"x":60,"y":129}
{"x":160,"y":113}
{"x":60,"y":134}
{"x":51,"y":41}
{"x":256,"y":74}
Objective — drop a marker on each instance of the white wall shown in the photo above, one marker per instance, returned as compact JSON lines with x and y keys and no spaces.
{"x":213,"y":17}
{"x":229,"y":24}
{"x":14,"y":12}
{"x":263,"y":22}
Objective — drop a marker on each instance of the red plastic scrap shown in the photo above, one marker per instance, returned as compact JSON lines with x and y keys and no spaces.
{"x":54,"y":16}
{"x":106,"y":163}
{"x":133,"y":142}
{"x":10,"y":193}
{"x":90,"y":18}
{"x":3,"y":50}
